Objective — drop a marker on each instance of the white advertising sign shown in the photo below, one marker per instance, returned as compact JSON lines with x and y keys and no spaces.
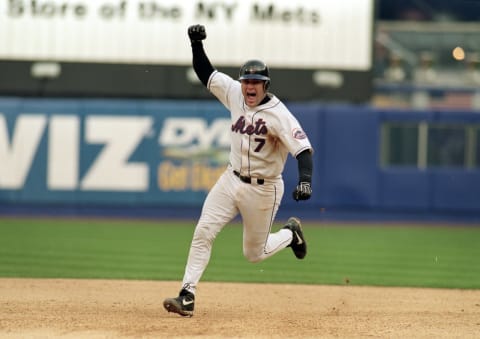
{"x":284,"y":33}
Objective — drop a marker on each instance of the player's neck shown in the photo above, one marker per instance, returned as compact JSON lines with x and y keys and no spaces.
{"x":264,"y":100}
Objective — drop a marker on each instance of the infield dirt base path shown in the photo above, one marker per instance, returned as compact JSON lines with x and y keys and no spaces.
{"x":62,"y":308}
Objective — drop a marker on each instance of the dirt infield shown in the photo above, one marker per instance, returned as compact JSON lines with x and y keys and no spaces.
{"x":46,"y":308}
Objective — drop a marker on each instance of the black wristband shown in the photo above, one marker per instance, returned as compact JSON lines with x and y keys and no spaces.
{"x":305,"y":166}
{"x":201,"y":64}
{"x":195,"y":43}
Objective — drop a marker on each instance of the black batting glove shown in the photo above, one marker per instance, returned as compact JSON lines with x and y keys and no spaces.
{"x":303,"y":191}
{"x":197,"y":33}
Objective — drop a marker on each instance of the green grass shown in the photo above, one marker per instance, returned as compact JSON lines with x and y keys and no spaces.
{"x":360,"y":254}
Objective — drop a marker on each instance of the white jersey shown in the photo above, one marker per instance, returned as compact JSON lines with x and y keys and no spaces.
{"x":261,"y":137}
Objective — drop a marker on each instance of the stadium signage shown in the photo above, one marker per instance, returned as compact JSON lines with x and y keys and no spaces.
{"x":94,"y":153}
{"x":110,"y":170}
{"x":150,"y":10}
{"x":195,"y":133}
{"x":324,"y":34}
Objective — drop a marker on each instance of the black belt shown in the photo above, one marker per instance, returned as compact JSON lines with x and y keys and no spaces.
{"x":248,"y":180}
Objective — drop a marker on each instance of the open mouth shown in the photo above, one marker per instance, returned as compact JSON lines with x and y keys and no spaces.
{"x":251,"y":94}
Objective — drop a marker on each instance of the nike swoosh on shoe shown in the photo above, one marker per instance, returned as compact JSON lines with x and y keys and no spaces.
{"x":300,"y":240}
{"x":186,"y":303}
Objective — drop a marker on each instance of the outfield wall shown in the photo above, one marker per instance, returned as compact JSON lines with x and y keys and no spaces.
{"x":148,"y":157}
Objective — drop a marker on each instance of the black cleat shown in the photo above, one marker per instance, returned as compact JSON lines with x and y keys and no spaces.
{"x":183,"y":304}
{"x":298,"y":244}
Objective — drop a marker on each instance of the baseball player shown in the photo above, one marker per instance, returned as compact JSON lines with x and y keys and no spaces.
{"x":263,"y":132}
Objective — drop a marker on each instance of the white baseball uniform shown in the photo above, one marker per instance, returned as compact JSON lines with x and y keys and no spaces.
{"x":261,"y":138}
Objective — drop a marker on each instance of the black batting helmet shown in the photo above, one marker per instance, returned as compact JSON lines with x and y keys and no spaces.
{"x":254,"y":69}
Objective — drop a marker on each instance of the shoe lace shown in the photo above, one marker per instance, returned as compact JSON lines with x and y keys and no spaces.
{"x":185,"y":292}
{"x":187,"y":286}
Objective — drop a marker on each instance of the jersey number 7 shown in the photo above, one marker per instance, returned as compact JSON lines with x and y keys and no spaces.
{"x":261,"y":143}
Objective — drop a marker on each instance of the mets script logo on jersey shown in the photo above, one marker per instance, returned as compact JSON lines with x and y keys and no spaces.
{"x":298,"y":134}
{"x":258,"y":128}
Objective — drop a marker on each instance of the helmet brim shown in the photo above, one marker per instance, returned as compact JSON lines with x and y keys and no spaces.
{"x":254,"y":76}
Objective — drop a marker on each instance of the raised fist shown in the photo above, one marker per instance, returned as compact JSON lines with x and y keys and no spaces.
{"x":197,"y":33}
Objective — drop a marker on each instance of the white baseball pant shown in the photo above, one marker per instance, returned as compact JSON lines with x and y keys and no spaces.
{"x":257,"y":204}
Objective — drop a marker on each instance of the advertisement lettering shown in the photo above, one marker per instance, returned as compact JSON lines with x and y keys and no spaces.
{"x":111,"y":170}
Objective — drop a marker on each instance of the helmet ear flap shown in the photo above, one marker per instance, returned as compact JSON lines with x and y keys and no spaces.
{"x":267,"y":85}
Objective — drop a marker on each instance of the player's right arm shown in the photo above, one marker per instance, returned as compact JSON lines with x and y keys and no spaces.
{"x":220,"y":84}
{"x":201,"y":64}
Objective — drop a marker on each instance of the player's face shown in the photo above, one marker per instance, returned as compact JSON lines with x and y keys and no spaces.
{"x":253,"y":91}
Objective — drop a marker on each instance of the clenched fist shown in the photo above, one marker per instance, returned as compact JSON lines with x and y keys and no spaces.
{"x":303,"y":191}
{"x":197,"y":33}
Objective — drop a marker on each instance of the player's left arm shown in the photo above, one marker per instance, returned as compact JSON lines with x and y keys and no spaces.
{"x":303,"y":191}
